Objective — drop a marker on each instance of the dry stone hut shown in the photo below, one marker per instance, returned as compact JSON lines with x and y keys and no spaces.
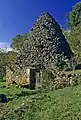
{"x":26,"y":77}
{"x":45,"y":47}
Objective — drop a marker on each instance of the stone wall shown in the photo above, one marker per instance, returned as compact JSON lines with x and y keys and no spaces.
{"x":30,"y":77}
{"x":20,"y":78}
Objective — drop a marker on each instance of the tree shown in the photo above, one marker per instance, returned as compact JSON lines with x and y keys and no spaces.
{"x":18,"y":41}
{"x":74,"y":40}
{"x":2,"y":63}
{"x":5,"y":59}
{"x":10,"y":56}
{"x":74,"y":16}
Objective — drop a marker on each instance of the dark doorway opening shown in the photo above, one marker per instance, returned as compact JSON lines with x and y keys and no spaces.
{"x":34,"y":78}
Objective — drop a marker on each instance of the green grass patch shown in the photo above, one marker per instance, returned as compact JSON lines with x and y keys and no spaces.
{"x":14,"y":91}
{"x":26,"y":104}
{"x":64,"y":104}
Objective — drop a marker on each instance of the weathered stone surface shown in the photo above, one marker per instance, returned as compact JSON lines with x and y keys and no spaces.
{"x":60,"y":80}
{"x":20,"y":77}
{"x":46,"y":47}
{"x":45,"y":42}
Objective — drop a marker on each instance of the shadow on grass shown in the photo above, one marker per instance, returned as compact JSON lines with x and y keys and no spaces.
{"x":3,"y":98}
{"x":22,"y":94}
{"x":26,"y":93}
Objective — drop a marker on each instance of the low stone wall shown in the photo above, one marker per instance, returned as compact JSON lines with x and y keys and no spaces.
{"x":21,"y":77}
{"x":60,"y":80}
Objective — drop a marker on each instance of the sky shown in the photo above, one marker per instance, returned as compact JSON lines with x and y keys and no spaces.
{"x":18,"y":16}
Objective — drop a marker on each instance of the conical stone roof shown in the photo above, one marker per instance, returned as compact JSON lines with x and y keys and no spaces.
{"x":45,"y":41}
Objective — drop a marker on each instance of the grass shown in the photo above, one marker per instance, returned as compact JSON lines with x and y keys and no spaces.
{"x":63,"y":104}
{"x":76,"y":72}
{"x":13,"y":91}
{"x":26,"y":104}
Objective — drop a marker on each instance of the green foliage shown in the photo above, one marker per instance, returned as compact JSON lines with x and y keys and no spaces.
{"x":18,"y":41}
{"x":5,"y":58}
{"x":74,"y":17}
{"x":74,"y":40}
{"x":73,"y":35}
{"x":11,"y":56}
{"x":62,"y":104}
{"x":3,"y":62}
